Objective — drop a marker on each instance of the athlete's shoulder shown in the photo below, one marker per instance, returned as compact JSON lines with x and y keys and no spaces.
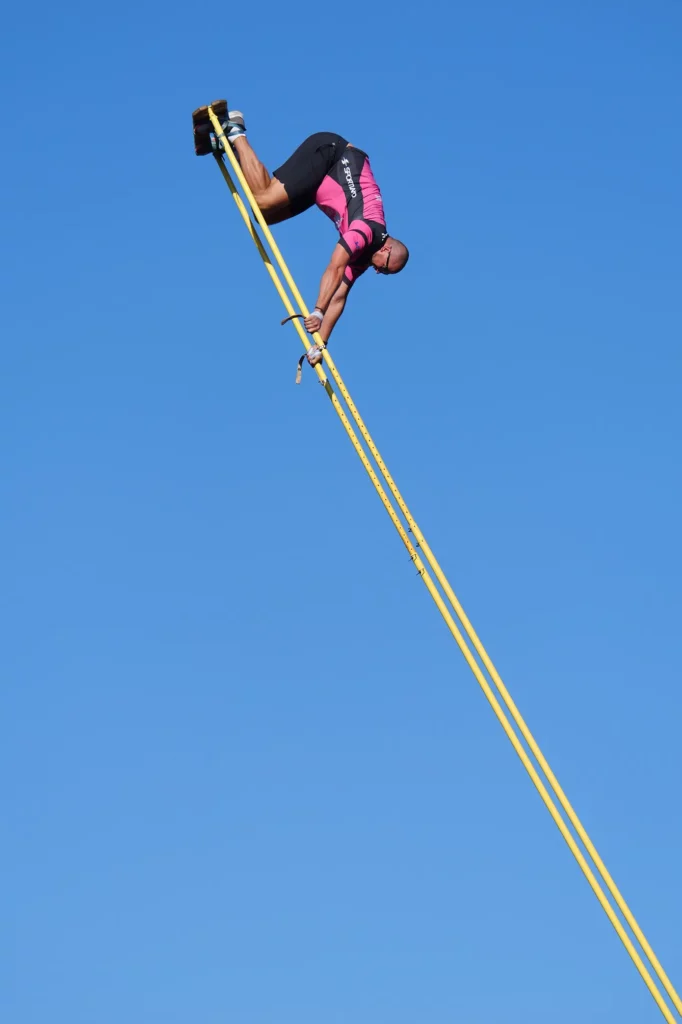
{"x":379,"y":232}
{"x":353,"y":271}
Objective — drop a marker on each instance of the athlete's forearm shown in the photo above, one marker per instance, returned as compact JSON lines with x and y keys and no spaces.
{"x":334,"y":311}
{"x":331,"y":279}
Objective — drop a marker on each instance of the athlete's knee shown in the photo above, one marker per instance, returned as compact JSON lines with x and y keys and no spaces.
{"x":262,"y":201}
{"x":266,"y":207}
{"x":272,"y":201}
{"x":263,"y":198}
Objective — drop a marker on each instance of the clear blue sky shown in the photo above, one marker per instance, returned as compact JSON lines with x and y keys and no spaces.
{"x":248,"y":776}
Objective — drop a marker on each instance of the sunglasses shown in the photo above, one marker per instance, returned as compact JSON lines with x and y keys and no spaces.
{"x":384,"y":269}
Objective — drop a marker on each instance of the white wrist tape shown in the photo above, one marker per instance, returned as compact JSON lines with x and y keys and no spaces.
{"x":318,"y":313}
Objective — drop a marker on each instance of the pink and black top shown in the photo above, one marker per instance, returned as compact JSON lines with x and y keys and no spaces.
{"x":350,"y":196}
{"x":326,"y":171}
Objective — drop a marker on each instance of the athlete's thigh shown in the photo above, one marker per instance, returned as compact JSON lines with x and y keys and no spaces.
{"x":274,"y":200}
{"x":302,"y":174}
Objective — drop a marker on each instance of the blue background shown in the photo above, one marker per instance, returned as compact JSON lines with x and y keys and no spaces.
{"x":248,"y":776}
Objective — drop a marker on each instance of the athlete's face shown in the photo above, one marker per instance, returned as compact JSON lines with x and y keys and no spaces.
{"x":381,"y":260}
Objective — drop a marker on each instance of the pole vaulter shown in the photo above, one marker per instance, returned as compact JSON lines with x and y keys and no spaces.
{"x":319,"y":172}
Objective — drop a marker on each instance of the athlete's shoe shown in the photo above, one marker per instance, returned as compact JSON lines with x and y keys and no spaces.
{"x":204,"y":138}
{"x":235,"y":125}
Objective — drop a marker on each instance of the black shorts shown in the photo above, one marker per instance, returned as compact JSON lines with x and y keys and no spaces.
{"x":303,"y":172}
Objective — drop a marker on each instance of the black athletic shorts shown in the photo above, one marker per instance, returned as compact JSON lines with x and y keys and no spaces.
{"x":303,"y":172}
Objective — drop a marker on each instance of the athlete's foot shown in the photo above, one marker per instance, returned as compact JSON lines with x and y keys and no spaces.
{"x":235,"y":125}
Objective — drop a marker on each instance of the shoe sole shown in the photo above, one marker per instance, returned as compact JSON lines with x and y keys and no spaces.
{"x":202,"y":127}
{"x":200,"y":115}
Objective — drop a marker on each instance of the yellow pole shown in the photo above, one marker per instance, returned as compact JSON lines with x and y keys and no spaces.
{"x":457,"y":607}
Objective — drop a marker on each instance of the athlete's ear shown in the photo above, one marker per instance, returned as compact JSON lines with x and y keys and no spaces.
{"x":379,"y":257}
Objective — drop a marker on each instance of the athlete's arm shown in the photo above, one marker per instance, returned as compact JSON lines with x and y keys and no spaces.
{"x":334,"y":310}
{"x":331,"y":279}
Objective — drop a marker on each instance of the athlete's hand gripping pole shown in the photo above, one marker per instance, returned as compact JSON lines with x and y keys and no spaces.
{"x":314,"y":354}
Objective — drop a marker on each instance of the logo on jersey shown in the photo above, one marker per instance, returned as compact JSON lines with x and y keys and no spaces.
{"x":349,"y":178}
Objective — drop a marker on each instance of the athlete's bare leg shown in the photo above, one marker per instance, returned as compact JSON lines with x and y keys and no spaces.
{"x":268,"y":192}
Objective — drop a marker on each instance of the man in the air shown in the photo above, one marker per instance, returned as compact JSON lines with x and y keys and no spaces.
{"x":329,"y":172}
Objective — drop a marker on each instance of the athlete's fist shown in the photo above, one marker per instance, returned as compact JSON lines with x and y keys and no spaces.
{"x":314,"y":355}
{"x":314,"y":321}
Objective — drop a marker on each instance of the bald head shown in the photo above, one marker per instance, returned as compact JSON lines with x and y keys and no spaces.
{"x":391,"y":258}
